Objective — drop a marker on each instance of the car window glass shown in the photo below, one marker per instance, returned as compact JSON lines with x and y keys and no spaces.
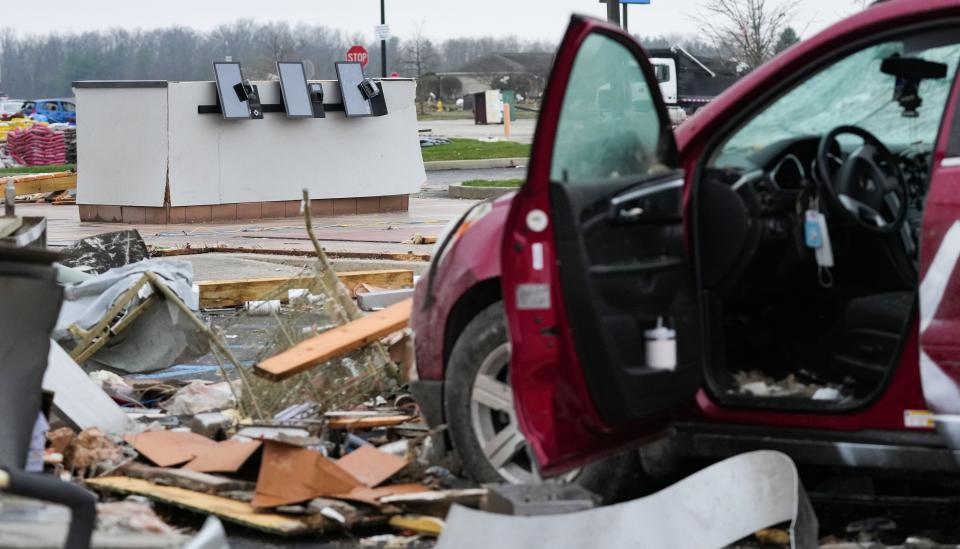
{"x":50,"y":106}
{"x":69,"y":107}
{"x":609,"y":127}
{"x":851,"y":91}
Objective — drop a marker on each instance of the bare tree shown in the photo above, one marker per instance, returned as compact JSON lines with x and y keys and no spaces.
{"x":420,"y":56}
{"x":748,"y":30}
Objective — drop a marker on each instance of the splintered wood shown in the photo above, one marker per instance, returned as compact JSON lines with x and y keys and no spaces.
{"x":234,"y":511}
{"x":336,"y":342}
{"x":233,"y":293}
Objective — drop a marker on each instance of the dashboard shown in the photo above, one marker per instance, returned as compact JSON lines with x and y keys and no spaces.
{"x":777,"y":181}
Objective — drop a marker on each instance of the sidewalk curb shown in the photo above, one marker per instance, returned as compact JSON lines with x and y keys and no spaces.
{"x":457,"y":190}
{"x":475,"y":164}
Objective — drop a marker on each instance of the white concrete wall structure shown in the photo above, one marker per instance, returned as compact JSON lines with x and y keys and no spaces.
{"x":135,"y":138}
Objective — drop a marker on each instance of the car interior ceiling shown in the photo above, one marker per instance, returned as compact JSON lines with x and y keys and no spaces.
{"x":782,"y":331}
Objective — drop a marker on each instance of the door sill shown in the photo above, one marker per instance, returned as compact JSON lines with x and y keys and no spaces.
{"x":888,"y":450}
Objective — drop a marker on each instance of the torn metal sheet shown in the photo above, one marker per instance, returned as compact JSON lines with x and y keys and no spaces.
{"x":712,"y":508}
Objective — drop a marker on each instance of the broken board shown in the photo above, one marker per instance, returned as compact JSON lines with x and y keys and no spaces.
{"x":233,"y":293}
{"x":77,"y":399}
{"x":336,"y":342}
{"x":237,"y":512}
{"x":45,"y":183}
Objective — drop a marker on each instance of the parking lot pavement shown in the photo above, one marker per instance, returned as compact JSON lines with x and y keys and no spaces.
{"x":381,"y":233}
{"x":521,"y":131}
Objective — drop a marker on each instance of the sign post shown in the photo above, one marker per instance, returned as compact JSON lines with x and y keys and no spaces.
{"x":626,"y":4}
{"x":358,"y":54}
{"x":383,"y":33}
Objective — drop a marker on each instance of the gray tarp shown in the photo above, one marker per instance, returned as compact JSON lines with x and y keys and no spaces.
{"x":156,"y":340}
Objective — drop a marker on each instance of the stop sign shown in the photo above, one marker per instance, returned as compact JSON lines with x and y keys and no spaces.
{"x":358,"y":54}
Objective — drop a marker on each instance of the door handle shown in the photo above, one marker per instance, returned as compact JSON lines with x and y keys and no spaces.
{"x":629,"y":215}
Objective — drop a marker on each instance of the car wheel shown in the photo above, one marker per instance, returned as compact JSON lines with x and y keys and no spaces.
{"x":482,"y":423}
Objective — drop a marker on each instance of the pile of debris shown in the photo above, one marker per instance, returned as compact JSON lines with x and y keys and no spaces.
{"x":274,"y":404}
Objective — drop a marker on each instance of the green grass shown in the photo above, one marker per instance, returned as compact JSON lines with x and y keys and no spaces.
{"x":472,"y":149}
{"x":493,"y":183}
{"x":39,"y":169}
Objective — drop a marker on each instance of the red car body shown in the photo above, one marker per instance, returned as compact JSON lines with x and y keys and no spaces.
{"x":480,"y":267}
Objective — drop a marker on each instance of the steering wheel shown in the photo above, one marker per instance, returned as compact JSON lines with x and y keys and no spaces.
{"x":868,"y":188}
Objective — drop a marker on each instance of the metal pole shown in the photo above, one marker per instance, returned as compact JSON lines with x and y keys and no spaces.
{"x":613,"y":12}
{"x":383,"y":43}
{"x":625,"y":26}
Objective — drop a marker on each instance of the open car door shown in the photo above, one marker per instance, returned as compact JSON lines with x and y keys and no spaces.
{"x":594,"y":258}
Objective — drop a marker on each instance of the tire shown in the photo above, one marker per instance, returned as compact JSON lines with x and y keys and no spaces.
{"x":476,"y":359}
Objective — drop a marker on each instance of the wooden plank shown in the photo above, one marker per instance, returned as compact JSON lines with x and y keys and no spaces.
{"x":238,"y":512}
{"x":233,"y":293}
{"x":45,"y":183}
{"x":185,"y":478}
{"x":408,"y":256}
{"x":366,"y":422}
{"x":336,"y":342}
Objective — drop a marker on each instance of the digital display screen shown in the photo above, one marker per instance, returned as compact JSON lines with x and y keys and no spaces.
{"x":350,"y":76}
{"x":228,"y":76}
{"x":293,"y":84}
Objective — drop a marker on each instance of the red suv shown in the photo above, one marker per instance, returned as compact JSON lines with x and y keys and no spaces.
{"x":776,"y":273}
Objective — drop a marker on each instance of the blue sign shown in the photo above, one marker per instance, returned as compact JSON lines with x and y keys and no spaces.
{"x":634,"y":1}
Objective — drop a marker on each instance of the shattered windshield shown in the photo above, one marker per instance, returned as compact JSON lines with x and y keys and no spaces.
{"x":852,"y":91}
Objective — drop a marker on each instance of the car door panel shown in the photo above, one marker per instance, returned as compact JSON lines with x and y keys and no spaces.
{"x":594,"y":254}
{"x":632,"y":272}
{"x":940,"y":278}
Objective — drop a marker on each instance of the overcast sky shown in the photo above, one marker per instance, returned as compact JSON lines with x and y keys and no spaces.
{"x":542,"y":19}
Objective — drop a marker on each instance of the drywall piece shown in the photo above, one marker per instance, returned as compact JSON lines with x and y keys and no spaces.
{"x":238,"y":512}
{"x":712,"y":508}
{"x":169,"y":448}
{"x":371,"y":466}
{"x":78,"y":399}
{"x":291,"y":474}
{"x":226,"y":457}
{"x":336,"y":342}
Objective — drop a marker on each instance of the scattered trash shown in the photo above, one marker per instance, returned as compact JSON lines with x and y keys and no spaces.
{"x":433,"y":141}
{"x":757,"y":384}
{"x":200,"y":396}
{"x":170,"y":415}
{"x":92,"y":452}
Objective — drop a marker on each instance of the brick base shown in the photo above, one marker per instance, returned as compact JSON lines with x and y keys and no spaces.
{"x":244,"y":211}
